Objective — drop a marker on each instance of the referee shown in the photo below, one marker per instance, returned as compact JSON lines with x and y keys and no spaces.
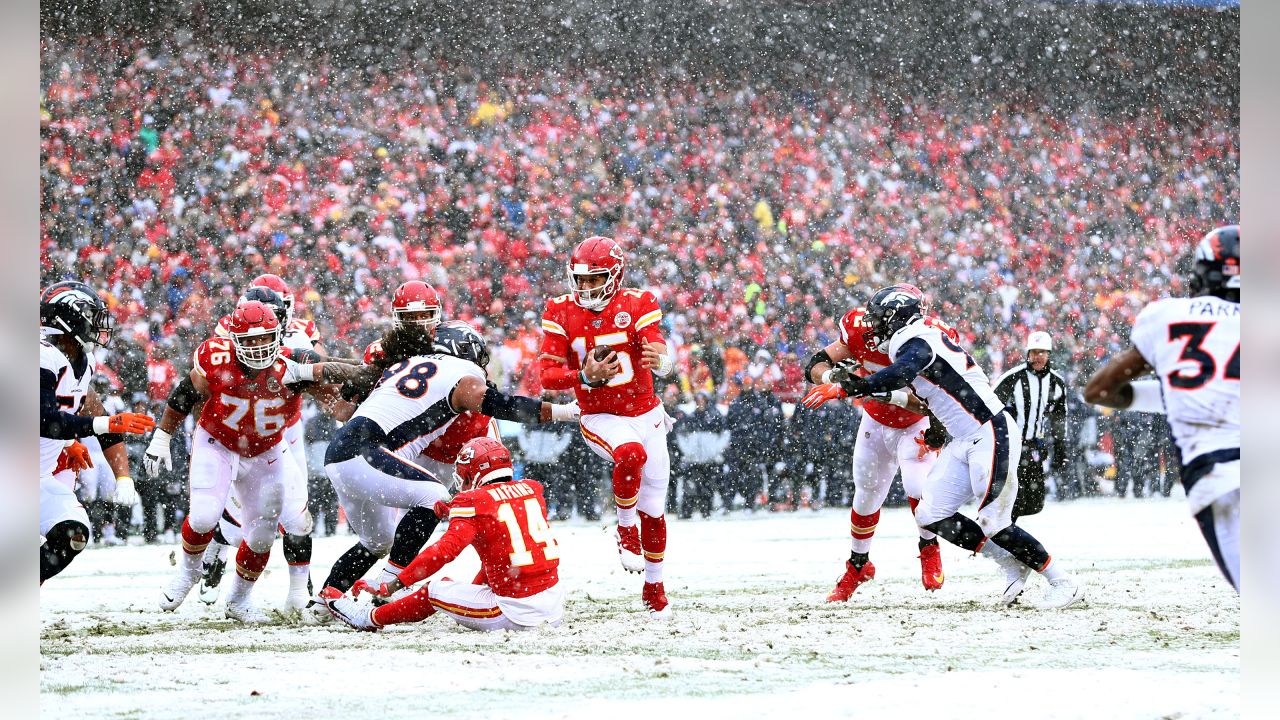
{"x":1037,"y":397}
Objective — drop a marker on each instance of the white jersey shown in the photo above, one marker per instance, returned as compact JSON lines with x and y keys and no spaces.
{"x":1194,"y":346}
{"x":956,"y":390}
{"x":71,"y":389}
{"x":411,"y":402}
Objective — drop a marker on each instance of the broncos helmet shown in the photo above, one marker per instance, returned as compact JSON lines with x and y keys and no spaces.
{"x":889,"y":310}
{"x":270,"y":298}
{"x":457,"y":338}
{"x":1215,"y":268}
{"x":73,"y":308}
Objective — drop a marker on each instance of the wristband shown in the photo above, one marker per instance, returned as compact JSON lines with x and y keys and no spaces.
{"x":307,"y":372}
{"x":564,"y":413}
{"x":1147,"y":397}
{"x":899,"y":398}
{"x":582,"y":374}
{"x":826,"y":376}
{"x":123,"y":477}
{"x":665,"y":366}
{"x":101,"y":425}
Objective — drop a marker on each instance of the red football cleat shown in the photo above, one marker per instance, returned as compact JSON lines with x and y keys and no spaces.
{"x":655,"y":599}
{"x":931,"y":567}
{"x":850,"y":581}
{"x":629,"y":549}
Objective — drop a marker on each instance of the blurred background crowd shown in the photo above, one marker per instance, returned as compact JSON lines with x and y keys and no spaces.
{"x":765,"y":165}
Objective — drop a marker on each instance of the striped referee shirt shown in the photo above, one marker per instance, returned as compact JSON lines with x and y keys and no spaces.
{"x":1038,"y":402}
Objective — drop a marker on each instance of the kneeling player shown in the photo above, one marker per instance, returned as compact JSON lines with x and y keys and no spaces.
{"x":518,"y":585}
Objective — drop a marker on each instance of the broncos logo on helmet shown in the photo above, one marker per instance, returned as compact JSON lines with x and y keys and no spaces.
{"x":889,"y":310}
{"x":457,"y":338}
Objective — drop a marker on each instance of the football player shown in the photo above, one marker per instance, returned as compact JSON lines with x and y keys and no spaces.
{"x":420,"y":389}
{"x":73,"y":320}
{"x":1193,"y":346}
{"x":980,"y":462}
{"x":896,"y":433}
{"x":239,"y":441}
{"x":506,"y":521}
{"x":604,"y":341}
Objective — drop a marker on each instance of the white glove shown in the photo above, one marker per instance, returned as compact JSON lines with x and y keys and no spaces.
{"x":158,"y":454}
{"x":125,"y":492}
{"x":569,"y":412}
{"x":295,"y":372}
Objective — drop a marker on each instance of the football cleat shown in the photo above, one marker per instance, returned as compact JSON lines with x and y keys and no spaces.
{"x":296,"y":600}
{"x":1015,"y":578}
{"x":316,"y":612}
{"x":931,"y":567}
{"x":209,"y":580}
{"x":355,"y":614}
{"x":175,"y":592}
{"x":1062,"y":593}
{"x":850,"y":581}
{"x":655,"y":599}
{"x":246,"y":612}
{"x":629,"y":548}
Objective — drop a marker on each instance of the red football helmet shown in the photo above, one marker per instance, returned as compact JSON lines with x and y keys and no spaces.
{"x":275,"y":283}
{"x":593,"y":257}
{"x":255,"y":334}
{"x":482,"y":460}
{"x":412,"y":298}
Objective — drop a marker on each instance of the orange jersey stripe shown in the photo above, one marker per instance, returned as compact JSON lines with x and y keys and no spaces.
{"x":466,"y":611}
{"x":596,"y":439}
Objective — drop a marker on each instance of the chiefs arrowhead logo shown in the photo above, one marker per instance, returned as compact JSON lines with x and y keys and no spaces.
{"x":466,"y":456}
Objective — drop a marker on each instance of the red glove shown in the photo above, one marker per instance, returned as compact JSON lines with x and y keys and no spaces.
{"x":924,"y":448}
{"x":362,"y":586}
{"x":441,"y":509}
{"x":818,"y":396}
{"x":135,"y":423}
{"x":74,"y":457}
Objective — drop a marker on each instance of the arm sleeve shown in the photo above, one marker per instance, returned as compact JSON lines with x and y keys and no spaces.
{"x":914,"y":356}
{"x":55,"y":423}
{"x":556,"y":375}
{"x":461,"y":533}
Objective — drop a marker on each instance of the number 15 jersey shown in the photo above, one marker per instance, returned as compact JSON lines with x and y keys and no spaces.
{"x":1194,"y":346}
{"x":625,"y":324}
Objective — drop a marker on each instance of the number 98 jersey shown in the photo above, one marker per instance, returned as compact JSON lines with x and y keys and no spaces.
{"x":625,"y":324}
{"x":246,"y":413}
{"x":411,"y":401}
{"x":1194,"y":346}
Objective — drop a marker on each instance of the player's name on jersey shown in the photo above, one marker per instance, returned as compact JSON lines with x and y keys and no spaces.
{"x":1214,"y":307}
{"x":510,"y":492}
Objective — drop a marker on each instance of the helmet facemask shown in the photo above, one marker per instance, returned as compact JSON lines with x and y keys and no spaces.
{"x":593,"y":298}
{"x":420,"y":314}
{"x":260,"y":354}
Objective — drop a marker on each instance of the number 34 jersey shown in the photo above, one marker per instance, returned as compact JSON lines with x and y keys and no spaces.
{"x":1194,"y":346}
{"x":411,"y":401}
{"x":625,"y":324}
{"x":247,"y":410}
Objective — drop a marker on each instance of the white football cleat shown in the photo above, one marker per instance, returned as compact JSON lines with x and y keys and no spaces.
{"x":246,"y":612}
{"x":629,"y":548}
{"x":175,"y":592}
{"x":1016,"y":575}
{"x":1062,"y":593}
{"x":296,"y":600}
{"x":355,"y":614}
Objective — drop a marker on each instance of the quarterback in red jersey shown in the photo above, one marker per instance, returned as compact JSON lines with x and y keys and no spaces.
{"x":603,"y":341}
{"x":506,"y":521}
{"x":894,"y":433}
{"x":238,"y":441}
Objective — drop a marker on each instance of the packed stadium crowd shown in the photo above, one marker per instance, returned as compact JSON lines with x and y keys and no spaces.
{"x":757,"y":213}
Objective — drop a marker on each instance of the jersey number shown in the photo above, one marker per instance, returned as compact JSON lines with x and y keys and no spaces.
{"x":538,"y":531}
{"x":951,"y":344}
{"x":221,"y":352}
{"x":264,"y":421}
{"x":1193,"y":350}
{"x":413,"y":383}
{"x":628,"y":373}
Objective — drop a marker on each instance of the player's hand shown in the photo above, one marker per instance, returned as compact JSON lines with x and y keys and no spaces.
{"x":842,"y":371}
{"x":819,"y":395}
{"x":383,"y":590}
{"x":158,"y":454}
{"x":75,"y":457}
{"x":600,"y":371}
{"x":441,"y":509}
{"x":133,"y":423}
{"x":295,"y":372}
{"x":125,"y":492}
{"x":654,"y":357}
{"x":925,"y":448}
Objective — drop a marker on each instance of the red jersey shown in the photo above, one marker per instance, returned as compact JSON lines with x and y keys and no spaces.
{"x":852,"y":335}
{"x":464,"y":428}
{"x":245,"y":412}
{"x":507,"y":524}
{"x":625,"y":324}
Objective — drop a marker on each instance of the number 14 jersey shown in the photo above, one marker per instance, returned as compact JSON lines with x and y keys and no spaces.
{"x":1194,"y":346}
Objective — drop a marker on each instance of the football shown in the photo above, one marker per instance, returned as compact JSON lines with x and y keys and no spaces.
{"x":601,"y":352}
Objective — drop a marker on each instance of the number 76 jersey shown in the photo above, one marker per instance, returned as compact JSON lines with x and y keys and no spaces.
{"x":1194,"y":346}
{"x":629,"y":320}
{"x":247,"y":411}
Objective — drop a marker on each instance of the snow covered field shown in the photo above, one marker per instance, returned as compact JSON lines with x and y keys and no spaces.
{"x":1158,"y":637}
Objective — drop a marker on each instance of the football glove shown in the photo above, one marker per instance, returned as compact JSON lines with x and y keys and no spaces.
{"x":382,"y":590}
{"x":820,"y":394}
{"x":843,"y":370}
{"x":126,"y":494}
{"x":935,"y":436}
{"x":133,"y":423}
{"x":158,"y":453}
{"x":75,"y":457}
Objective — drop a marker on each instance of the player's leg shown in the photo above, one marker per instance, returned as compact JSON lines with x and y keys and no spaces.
{"x":614,"y":438}
{"x":260,"y":486}
{"x":64,"y":525}
{"x":213,"y":468}
{"x":915,"y":461}
{"x":874,"y":463}
{"x":1220,"y":524}
{"x":651,"y":507}
{"x":226,"y":535}
{"x":297,"y":522}
{"x":373,"y":522}
{"x":394,"y":482}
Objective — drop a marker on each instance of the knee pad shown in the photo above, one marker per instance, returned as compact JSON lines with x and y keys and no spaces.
{"x":301,"y":524}
{"x":630,"y":457}
{"x":69,"y":535}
